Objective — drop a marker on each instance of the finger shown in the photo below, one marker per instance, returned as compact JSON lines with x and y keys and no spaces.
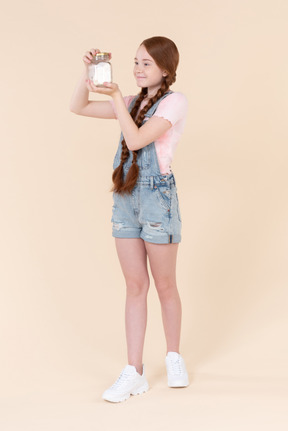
{"x":86,"y":59}
{"x":108,"y":84}
{"x":100,"y":90}
{"x":89,"y":54}
{"x":94,"y":51}
{"x":93,"y":85}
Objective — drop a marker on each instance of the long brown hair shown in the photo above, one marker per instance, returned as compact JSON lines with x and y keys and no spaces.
{"x":165,"y":54}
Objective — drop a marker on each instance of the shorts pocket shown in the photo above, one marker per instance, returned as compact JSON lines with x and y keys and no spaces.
{"x":164,"y":196}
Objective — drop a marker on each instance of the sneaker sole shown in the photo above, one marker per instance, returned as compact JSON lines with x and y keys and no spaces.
{"x":125,"y":397}
{"x":178,"y":384}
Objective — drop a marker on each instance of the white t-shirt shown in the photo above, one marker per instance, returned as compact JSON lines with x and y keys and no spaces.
{"x":174,"y":109}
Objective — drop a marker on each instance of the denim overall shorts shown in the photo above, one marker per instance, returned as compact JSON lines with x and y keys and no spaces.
{"x":151,"y":211}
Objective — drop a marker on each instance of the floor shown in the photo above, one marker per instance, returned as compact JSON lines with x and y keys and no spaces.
{"x":211,"y":402}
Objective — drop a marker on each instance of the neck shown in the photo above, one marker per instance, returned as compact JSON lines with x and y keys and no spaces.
{"x":151,"y":91}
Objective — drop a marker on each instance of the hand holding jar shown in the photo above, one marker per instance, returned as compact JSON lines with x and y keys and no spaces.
{"x":99,"y":68}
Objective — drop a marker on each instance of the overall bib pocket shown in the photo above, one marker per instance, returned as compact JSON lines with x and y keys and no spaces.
{"x":143,"y":157}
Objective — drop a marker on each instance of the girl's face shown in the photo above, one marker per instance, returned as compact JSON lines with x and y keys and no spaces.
{"x":146,"y":71}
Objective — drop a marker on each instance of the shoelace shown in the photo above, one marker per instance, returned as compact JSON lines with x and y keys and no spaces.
{"x":176,"y":366}
{"x":124,"y":377}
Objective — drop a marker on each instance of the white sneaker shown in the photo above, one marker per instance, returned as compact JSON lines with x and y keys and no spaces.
{"x":128,"y":383}
{"x":176,"y":370}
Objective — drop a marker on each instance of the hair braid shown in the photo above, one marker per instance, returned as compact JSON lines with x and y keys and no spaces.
{"x":117,"y":176}
{"x":133,"y":173}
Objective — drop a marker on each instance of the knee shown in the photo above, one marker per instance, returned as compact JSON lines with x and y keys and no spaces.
{"x":137,"y":287}
{"x":166,"y":289}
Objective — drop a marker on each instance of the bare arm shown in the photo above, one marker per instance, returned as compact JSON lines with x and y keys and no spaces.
{"x":135,"y":138}
{"x":80,"y":103}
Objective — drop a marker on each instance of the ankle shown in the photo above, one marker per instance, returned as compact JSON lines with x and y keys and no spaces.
{"x":139,"y":367}
{"x":173,"y":351}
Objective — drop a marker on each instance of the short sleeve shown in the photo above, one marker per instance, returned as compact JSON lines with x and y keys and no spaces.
{"x":127,"y":100}
{"x":173,"y":108}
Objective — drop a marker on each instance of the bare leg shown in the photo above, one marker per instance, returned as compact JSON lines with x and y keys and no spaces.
{"x":162,"y":258}
{"x":133,"y":260}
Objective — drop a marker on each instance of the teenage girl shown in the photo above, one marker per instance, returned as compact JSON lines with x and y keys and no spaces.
{"x":145,"y":215}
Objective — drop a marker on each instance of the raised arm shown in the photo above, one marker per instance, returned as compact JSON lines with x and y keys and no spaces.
{"x":80,"y":103}
{"x":135,"y":138}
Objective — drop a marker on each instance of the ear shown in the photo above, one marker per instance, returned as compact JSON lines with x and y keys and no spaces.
{"x":165,"y":73}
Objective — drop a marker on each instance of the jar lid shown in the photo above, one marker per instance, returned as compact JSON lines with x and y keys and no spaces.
{"x":102,"y":55}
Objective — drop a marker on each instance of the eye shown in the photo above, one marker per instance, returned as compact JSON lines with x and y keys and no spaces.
{"x":146,"y":64}
{"x":135,"y":62}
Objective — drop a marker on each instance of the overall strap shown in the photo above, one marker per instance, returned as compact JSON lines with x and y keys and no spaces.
{"x":130,"y":107}
{"x":153,"y":108}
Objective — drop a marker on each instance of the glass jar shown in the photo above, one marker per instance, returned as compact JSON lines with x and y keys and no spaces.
{"x":100,"y":70}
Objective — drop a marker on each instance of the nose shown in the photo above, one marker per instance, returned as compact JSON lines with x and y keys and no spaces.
{"x":138,"y":68}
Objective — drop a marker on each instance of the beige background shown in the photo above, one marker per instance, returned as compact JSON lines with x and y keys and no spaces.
{"x":62,"y":289}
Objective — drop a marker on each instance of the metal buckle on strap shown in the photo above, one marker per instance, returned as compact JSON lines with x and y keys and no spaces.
{"x":151,"y":182}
